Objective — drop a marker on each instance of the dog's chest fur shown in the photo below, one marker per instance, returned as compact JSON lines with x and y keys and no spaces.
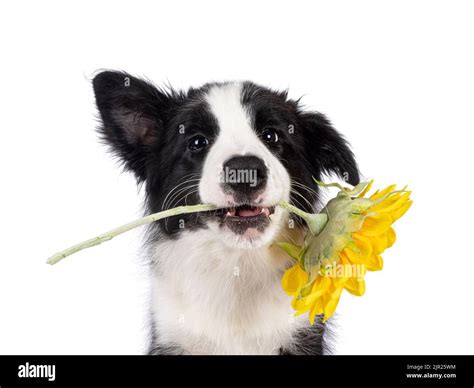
{"x":208,"y":299}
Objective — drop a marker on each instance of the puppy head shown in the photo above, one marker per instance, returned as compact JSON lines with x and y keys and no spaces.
{"x":237,"y":145}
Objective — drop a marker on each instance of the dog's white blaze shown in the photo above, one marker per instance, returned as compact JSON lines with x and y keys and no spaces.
{"x":236,"y":137}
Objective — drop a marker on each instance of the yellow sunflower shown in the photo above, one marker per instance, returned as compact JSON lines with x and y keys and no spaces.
{"x":343,"y":241}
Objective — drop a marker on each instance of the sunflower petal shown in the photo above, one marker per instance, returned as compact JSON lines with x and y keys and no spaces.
{"x":379,"y":243}
{"x":316,"y":309}
{"x":352,"y":257}
{"x":400,"y":211}
{"x":339,"y":281}
{"x":355,"y":286}
{"x":391,"y":237}
{"x":363,"y":243}
{"x":366,"y":189}
{"x":393,"y":203}
{"x":375,"y":263}
{"x":376,"y":224}
{"x":386,"y":202}
{"x":330,"y":303}
{"x":380,"y":194}
{"x":300,"y":306}
{"x":319,"y":288}
{"x":293,"y":279}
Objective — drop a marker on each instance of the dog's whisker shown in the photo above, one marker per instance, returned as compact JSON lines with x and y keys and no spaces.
{"x":167,"y":198}
{"x":311,"y":206}
{"x":184,"y":197}
{"x":298,"y":220}
{"x":178,"y":192}
{"x":193,"y":190}
{"x":181,"y":183}
{"x":302,"y":186}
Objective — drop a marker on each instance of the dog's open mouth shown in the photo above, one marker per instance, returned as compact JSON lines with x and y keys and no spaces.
{"x":246,"y":219}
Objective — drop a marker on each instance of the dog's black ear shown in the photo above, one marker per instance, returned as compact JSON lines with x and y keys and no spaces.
{"x":132,"y":113}
{"x":326,"y":149}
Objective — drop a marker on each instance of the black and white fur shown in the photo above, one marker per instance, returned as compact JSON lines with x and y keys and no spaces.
{"x":216,"y":277}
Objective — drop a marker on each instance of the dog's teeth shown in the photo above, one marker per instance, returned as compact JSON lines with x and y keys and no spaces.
{"x":231,"y":212}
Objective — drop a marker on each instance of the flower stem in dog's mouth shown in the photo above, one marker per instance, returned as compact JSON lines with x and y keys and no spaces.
{"x":243,"y":211}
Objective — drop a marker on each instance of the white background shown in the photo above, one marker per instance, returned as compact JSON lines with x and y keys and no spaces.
{"x":397,"y":78}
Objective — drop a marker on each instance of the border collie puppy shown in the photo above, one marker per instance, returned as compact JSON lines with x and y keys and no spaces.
{"x":216,"y":277}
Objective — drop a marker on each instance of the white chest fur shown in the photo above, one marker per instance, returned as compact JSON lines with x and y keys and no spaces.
{"x":210,"y":299}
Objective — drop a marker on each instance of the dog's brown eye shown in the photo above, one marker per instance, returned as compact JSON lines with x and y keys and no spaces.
{"x":197,"y":143}
{"x":269,"y":135}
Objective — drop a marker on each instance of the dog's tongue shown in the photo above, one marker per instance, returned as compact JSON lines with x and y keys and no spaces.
{"x":248,"y":211}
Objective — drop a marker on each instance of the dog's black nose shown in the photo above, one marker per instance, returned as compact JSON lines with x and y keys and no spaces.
{"x":244,"y":176}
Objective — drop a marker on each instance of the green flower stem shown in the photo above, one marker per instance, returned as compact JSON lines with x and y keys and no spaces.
{"x":316,"y":222}
{"x":125,"y":228}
